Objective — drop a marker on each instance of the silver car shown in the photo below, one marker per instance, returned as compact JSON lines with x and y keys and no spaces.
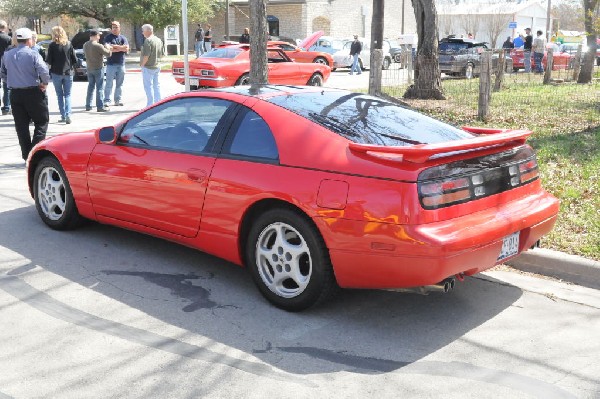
{"x":342,"y":58}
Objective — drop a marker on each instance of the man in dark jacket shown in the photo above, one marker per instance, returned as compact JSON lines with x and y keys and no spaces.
{"x":527,"y":49}
{"x":5,"y":42}
{"x":355,"y":49}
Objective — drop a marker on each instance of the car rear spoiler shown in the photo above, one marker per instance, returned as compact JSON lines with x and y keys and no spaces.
{"x":420,"y":153}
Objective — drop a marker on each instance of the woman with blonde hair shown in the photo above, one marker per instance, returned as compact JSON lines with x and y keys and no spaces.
{"x":61,"y":58}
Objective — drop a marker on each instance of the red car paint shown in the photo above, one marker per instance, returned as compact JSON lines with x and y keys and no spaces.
{"x":363,"y":199}
{"x":210,"y":71}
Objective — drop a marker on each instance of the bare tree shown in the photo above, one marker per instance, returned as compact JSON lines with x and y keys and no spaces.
{"x":258,"y":42}
{"x":496,"y":23}
{"x":428,"y":83}
{"x":470,"y":22}
{"x":591,"y":21}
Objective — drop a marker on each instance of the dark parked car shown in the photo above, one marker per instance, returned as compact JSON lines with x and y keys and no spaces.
{"x":81,"y":37}
{"x":462,"y":57}
{"x":81,"y":67}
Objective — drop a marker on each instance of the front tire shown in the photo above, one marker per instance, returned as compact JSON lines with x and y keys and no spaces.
{"x":53,"y":196}
{"x":289,"y":261}
{"x":315,"y":80}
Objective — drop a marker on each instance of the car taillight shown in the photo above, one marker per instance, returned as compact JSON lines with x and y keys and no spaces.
{"x":203,"y":72}
{"x":467,"y":180}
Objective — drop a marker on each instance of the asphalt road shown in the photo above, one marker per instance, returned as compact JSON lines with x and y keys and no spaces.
{"x":103,"y":312}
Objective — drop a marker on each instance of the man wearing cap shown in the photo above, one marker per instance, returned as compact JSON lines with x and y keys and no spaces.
{"x":527,"y":44}
{"x":115,"y":64}
{"x":5,"y":42}
{"x":27,"y":76}
{"x":94,"y":57}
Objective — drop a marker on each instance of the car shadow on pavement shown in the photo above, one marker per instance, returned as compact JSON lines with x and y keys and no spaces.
{"x":360,"y":331}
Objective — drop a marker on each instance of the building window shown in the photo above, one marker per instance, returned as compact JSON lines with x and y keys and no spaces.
{"x":273,"y":22}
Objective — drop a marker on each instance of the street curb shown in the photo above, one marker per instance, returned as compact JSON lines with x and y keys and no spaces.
{"x":571,"y":268}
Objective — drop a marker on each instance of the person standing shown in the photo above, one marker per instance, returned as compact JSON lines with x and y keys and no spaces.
{"x":27,"y":76}
{"x":61,"y":58}
{"x":245,"y":38}
{"x":508,"y":44}
{"x":208,"y":38}
{"x":115,"y":64}
{"x":527,"y":44}
{"x":152,"y":50}
{"x":518,"y":42}
{"x":94,"y":56}
{"x":37,"y":47}
{"x":5,"y":43}
{"x":539,"y":46}
{"x":355,"y":49}
{"x":199,"y":41}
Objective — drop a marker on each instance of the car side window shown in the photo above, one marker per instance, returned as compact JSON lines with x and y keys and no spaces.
{"x":252,"y":138}
{"x":186,"y":124}
{"x":287,"y":47}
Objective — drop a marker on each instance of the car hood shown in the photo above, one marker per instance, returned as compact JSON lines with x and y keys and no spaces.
{"x":311,"y":40}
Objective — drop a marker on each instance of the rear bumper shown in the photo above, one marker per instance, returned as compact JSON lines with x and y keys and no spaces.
{"x":399,"y":256}
{"x":204,"y":82}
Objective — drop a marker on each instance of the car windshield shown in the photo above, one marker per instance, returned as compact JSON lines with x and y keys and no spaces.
{"x":450,"y":47}
{"x":366,"y":119}
{"x":337,"y":44}
{"x":225,"y":52}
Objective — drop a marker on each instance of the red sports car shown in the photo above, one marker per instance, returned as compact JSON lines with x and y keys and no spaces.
{"x":230,"y":66}
{"x":560,"y":61}
{"x":309,"y":188}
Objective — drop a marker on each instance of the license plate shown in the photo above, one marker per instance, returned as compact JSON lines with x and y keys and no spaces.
{"x":510,"y":246}
{"x":194,"y":82}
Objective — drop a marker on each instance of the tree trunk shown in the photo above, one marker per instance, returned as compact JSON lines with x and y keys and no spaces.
{"x":258,"y":42}
{"x":585,"y":75}
{"x":428,"y":83}
{"x":375,"y":73}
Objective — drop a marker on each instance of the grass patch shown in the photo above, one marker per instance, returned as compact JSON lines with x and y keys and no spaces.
{"x":565,"y":119}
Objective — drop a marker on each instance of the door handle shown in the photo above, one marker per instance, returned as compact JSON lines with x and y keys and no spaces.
{"x":197,"y":175}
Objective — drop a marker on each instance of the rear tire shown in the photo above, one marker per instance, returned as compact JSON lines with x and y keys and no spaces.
{"x":53,"y":196}
{"x":320,"y":60}
{"x":386,"y":63}
{"x":315,"y":80}
{"x":244,"y":80}
{"x":289,"y":261}
{"x":469,"y":74}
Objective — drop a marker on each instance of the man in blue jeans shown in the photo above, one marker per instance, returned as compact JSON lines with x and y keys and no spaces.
{"x":5,"y":43}
{"x":115,"y":64}
{"x":94,"y":55}
{"x":355,"y":49}
{"x":152,"y":50}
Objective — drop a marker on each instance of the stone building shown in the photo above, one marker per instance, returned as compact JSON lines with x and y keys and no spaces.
{"x":296,"y":19}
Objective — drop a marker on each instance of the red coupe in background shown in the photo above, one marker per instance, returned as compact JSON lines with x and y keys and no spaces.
{"x":298,"y":54}
{"x":561,"y":61}
{"x":309,"y":188}
{"x":230,"y":66}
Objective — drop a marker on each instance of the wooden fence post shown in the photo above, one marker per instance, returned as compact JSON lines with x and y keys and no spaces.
{"x":485,"y":86}
{"x":549,"y":63}
{"x":577,"y":63}
{"x":500,"y":71}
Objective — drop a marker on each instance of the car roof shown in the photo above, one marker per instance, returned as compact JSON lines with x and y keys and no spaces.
{"x":269,"y":90}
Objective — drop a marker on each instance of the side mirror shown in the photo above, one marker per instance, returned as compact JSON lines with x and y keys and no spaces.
{"x":106,"y":135}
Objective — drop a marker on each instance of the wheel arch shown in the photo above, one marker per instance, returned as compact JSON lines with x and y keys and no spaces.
{"x":259,"y":207}
{"x":33,"y":163}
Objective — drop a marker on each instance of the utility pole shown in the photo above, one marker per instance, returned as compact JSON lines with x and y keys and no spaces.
{"x":226,"y":19}
{"x":548,"y":26}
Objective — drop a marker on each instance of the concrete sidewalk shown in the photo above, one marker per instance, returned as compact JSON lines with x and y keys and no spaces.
{"x":571,"y":268}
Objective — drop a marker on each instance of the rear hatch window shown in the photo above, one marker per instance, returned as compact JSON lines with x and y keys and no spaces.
{"x":366,"y":119}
